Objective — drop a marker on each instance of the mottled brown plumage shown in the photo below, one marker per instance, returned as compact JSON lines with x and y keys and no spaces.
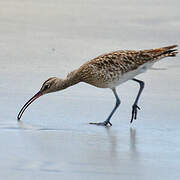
{"x":108,"y":71}
{"x":105,"y":69}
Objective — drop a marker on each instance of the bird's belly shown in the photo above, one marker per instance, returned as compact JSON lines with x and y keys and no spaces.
{"x":111,"y":79}
{"x":121,"y":78}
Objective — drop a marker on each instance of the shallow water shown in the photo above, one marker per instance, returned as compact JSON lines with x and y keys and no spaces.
{"x":54,"y":140}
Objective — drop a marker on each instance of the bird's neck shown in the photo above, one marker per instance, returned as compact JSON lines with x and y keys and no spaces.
{"x":69,"y":82}
{"x":71,"y":79}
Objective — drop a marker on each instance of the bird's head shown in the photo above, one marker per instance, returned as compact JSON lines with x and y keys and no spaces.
{"x":51,"y":85}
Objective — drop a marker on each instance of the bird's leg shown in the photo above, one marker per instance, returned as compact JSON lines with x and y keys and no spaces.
{"x":107,"y":121}
{"x":135,"y":107}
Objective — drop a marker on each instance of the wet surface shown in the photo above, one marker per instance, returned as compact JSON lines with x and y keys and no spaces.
{"x":54,"y":140}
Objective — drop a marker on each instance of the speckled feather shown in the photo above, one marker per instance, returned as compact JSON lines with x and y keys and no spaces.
{"x":107,"y":69}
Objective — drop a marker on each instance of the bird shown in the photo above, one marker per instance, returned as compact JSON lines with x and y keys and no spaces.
{"x":108,"y":71}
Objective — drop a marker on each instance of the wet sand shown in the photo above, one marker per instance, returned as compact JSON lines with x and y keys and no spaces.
{"x":54,"y":140}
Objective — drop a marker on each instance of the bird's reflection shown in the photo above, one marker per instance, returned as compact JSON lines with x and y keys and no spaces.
{"x":118,"y":143}
{"x":26,"y":126}
{"x":132,"y":139}
{"x":133,"y":144}
{"x":115,"y":140}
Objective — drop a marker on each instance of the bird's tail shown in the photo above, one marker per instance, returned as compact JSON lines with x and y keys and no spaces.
{"x":168,"y":51}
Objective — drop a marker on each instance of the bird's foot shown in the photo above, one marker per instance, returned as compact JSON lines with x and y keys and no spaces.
{"x":105,"y":123}
{"x":135,"y":109}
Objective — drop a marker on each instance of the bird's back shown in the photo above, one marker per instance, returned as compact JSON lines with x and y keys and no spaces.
{"x":112,"y":69}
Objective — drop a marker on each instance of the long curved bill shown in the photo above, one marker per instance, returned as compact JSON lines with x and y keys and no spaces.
{"x":27,"y":104}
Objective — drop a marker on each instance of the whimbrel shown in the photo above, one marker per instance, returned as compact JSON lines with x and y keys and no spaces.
{"x":108,"y":71}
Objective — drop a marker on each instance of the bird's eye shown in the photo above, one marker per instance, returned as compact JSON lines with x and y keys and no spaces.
{"x":46,"y":86}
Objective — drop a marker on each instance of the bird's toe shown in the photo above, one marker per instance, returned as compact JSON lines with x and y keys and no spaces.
{"x":101,"y":123}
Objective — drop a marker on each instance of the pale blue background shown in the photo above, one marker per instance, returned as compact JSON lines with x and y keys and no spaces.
{"x":40,"y":39}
